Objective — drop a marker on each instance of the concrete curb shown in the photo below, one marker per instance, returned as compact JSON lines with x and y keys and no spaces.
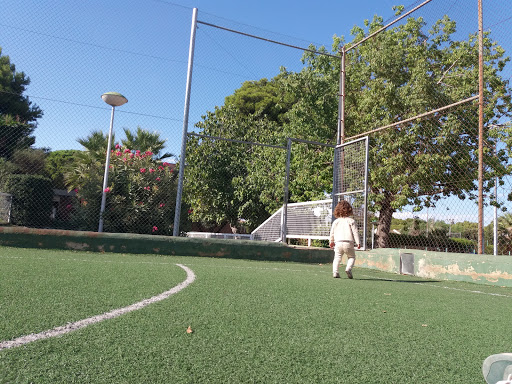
{"x":162,"y":245}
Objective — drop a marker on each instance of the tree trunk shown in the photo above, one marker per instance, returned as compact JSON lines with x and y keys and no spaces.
{"x":384,"y":225}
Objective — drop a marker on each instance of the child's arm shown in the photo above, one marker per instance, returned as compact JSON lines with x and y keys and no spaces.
{"x":331,"y":236}
{"x":353,"y":227}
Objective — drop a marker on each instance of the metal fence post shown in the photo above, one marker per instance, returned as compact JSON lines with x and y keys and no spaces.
{"x":480,"y":130}
{"x":284,"y":213}
{"x":177,"y":212}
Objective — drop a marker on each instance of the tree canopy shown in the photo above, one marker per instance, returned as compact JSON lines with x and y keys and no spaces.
{"x":402,"y":72}
{"x":18,"y":114}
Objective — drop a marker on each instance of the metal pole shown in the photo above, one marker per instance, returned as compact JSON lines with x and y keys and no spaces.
{"x":284,"y":212}
{"x":341,"y":103}
{"x":373,"y":232}
{"x":430,"y":113}
{"x":340,"y":134}
{"x":105,"y":175}
{"x":495,"y":243}
{"x":480,"y":130}
{"x":496,"y":219}
{"x":177,"y":212}
{"x":390,"y":24}
{"x":365,"y":217}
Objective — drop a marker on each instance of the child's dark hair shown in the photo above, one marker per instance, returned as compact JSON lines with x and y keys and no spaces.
{"x":343,"y":209}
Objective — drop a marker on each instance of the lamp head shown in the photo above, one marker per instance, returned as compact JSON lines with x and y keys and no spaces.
{"x":114,"y":99}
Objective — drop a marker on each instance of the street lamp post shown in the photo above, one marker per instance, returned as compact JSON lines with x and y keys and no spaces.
{"x":113,"y":99}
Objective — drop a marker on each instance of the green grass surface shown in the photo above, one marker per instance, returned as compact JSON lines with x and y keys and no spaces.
{"x":253,"y":322}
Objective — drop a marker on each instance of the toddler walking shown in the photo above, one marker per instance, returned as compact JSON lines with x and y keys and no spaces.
{"x":343,"y":236}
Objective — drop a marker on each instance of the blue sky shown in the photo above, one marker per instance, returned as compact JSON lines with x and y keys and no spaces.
{"x":73,"y":51}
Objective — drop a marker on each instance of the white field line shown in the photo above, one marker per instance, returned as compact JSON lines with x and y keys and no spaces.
{"x":70,"y":327}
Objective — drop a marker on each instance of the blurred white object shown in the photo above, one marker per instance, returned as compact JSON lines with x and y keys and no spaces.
{"x":508,"y":381}
{"x":497,"y":369}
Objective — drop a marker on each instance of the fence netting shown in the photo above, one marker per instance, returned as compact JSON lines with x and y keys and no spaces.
{"x":412,"y":89}
{"x":351,"y":181}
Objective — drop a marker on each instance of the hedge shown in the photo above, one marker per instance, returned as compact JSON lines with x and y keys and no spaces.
{"x":32,"y":199}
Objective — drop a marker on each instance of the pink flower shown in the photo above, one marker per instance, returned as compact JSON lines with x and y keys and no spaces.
{"x":165,"y":164}
{"x":131,"y":155}
{"x":162,"y":205}
{"x":160,"y":168}
{"x":137,"y":152}
{"x":142,"y":170}
{"x":149,"y":153}
{"x":107,"y":190}
{"x":118,"y":146}
{"x":151,"y":170}
{"x":127,"y":150}
{"x":157,"y":179}
{"x":190,"y":211}
{"x":155,"y":228}
{"x":124,"y":159}
{"x":119,"y":153}
{"x":147,"y":188}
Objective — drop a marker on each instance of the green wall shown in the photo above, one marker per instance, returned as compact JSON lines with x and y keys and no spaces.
{"x":163,"y":245}
{"x":482,"y":269}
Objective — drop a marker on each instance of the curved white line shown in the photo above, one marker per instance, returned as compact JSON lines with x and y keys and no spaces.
{"x":70,"y":327}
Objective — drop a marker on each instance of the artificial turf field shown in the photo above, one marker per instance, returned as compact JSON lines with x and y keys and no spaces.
{"x":252,"y":322}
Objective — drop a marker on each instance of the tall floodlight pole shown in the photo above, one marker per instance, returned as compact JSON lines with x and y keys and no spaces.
{"x":113,"y":99}
{"x":177,"y":212}
{"x":480,"y":131}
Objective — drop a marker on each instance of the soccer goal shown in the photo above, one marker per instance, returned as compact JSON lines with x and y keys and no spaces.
{"x":351,"y":180}
{"x":312,"y":220}
{"x":309,"y":220}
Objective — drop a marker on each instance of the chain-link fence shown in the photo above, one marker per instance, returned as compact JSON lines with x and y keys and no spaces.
{"x":410,"y":82}
{"x":54,"y":129}
{"x":421,"y":77}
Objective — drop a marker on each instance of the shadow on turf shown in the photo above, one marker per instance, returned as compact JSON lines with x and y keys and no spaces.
{"x":399,"y":281}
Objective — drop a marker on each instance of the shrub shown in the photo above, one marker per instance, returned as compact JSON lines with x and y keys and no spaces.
{"x":432,"y":243}
{"x":32,"y":197}
{"x":140,"y":197}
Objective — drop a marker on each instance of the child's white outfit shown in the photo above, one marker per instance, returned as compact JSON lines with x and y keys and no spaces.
{"x":344,"y":235}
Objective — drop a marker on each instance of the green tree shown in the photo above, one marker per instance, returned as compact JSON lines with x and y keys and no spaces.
{"x":18,"y":114}
{"x":264,"y":98}
{"x":505,"y":233}
{"x":57,"y":163}
{"x":146,"y":141}
{"x":96,"y":143}
{"x":14,"y":134}
{"x":402,"y":72}
{"x":467,"y":229}
{"x":228,"y":181}
{"x":30,"y":161}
